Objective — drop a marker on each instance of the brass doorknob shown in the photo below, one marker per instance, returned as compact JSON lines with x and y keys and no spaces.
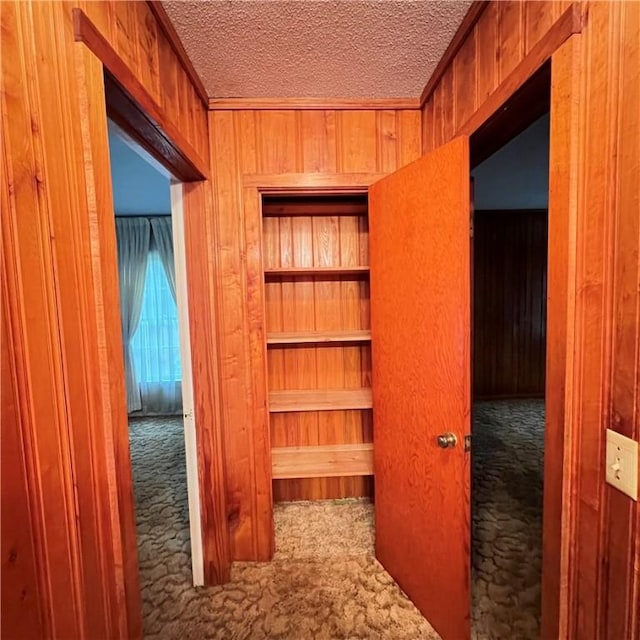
{"x":447,"y":440}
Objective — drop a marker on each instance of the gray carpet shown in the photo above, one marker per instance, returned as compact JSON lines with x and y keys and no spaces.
{"x":324,"y":582}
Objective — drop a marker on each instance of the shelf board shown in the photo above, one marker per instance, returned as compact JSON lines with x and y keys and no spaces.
{"x":317,"y":271}
{"x":317,"y":337}
{"x":319,"y":400}
{"x":322,"y":461}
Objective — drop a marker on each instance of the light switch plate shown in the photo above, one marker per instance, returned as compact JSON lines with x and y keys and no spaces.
{"x":622,"y":463}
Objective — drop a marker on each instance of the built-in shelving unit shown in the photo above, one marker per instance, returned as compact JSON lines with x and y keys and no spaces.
{"x":316,"y":279}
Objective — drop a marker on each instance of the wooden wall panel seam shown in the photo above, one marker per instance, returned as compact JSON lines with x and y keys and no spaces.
{"x":165,"y":24}
{"x":85,"y":31}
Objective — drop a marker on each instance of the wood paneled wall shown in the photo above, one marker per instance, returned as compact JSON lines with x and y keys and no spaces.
{"x":505,"y":33}
{"x":509,"y":303}
{"x":138,"y":38}
{"x":277,"y":142}
{"x":598,"y":159}
{"x":62,"y":323}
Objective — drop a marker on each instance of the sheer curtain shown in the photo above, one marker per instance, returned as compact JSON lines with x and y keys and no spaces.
{"x":163,"y":240}
{"x":134,"y":236}
{"x":156,"y":345}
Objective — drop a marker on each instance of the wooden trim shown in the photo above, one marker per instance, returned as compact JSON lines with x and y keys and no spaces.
{"x":167,"y":28}
{"x":326,"y":461}
{"x":569,"y":23}
{"x":313,"y":104}
{"x":199,"y":246}
{"x":152,"y":128}
{"x":465,"y":28}
{"x":559,"y":539}
{"x":304,"y":182}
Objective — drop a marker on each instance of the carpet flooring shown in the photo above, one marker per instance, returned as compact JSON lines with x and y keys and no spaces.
{"x":324,"y":582}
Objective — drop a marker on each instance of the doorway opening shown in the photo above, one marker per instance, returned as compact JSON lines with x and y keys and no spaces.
{"x":155,"y":333}
{"x":510,"y":173}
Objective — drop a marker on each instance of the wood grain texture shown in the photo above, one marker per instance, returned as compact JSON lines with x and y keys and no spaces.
{"x":590,"y":575}
{"x":157,"y":130}
{"x":509,"y":303}
{"x":286,"y":151}
{"x":61,"y":292}
{"x":140,"y":36}
{"x":21,"y":607}
{"x":285,"y":401}
{"x":419,"y":219}
{"x":163,"y":22}
{"x":508,"y":42}
{"x":205,"y":362}
{"x":322,"y":461}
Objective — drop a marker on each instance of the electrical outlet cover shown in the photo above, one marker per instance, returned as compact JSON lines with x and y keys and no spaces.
{"x":622,"y":463}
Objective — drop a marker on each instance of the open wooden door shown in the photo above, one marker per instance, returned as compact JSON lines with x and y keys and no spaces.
{"x":420,"y":321}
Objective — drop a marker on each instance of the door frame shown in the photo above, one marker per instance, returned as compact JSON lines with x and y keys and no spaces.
{"x":561,"y":44}
{"x":106,"y":85}
{"x":254,"y":186}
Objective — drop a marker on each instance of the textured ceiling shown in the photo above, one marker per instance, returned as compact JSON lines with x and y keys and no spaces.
{"x":315,"y":48}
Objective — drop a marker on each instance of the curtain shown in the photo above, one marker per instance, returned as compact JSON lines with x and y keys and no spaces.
{"x":163,"y":240}
{"x":134,"y":236}
{"x":156,"y":344}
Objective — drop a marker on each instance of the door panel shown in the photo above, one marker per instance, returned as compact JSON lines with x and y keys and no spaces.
{"x":420,"y":321}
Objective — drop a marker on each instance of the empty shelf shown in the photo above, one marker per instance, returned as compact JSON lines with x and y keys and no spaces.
{"x":317,"y":337}
{"x":320,"y":400}
{"x":322,"y":461}
{"x":317,"y":271}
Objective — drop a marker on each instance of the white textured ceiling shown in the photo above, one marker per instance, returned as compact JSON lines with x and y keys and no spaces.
{"x":315,"y":48}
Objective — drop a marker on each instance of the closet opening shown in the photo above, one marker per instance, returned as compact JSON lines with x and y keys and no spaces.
{"x":318,"y":344}
{"x":510,"y":192}
{"x":155,"y":332}
{"x":316,"y":273}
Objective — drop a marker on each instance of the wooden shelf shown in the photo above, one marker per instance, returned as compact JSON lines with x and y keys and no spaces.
{"x":322,"y":461}
{"x":313,"y":206}
{"x":320,"y":400}
{"x":317,"y":271}
{"x":317,"y":337}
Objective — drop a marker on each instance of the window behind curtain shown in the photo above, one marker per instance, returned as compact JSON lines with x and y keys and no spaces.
{"x":156,"y":342}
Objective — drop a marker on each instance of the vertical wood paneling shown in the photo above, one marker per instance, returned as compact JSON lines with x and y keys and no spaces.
{"x":510,"y":37}
{"x":538,"y":18}
{"x":282,"y":142}
{"x":21,"y":609}
{"x":58,"y":284}
{"x":623,"y":516}
{"x":487,"y":50}
{"x":449,"y":101}
{"x":358,"y":141}
{"x":509,"y":279}
{"x":318,"y":141}
{"x":278,"y":142}
{"x":465,"y":75}
{"x":599,"y":154}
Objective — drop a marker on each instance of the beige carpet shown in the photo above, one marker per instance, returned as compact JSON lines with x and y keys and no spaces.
{"x":324,"y":582}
